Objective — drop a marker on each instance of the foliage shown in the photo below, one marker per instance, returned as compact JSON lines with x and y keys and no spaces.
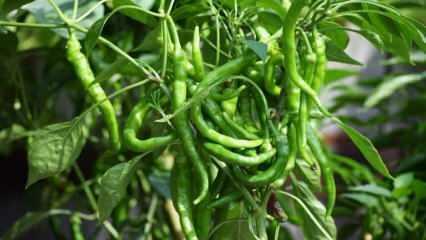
{"x":225,"y":95}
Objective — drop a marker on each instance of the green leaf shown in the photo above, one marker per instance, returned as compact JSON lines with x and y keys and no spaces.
{"x":314,"y":223}
{"x":259,"y":48}
{"x":333,"y":75}
{"x":270,"y":21}
{"x":189,"y":10}
{"x":55,"y":148}
{"x":24,"y":224}
{"x":402,"y":184}
{"x":96,"y":29}
{"x":334,"y":53}
{"x":113,"y":186}
{"x":273,"y":6}
{"x":134,"y":14}
{"x":389,"y":86}
{"x":366,"y":147}
{"x":160,"y":181}
{"x":363,"y":198}
{"x":312,"y":175}
{"x":151,"y":42}
{"x":44,"y":13}
{"x":419,"y":187}
{"x":28,"y":221}
{"x":7,"y":6}
{"x":373,"y":189}
{"x":335,"y":33}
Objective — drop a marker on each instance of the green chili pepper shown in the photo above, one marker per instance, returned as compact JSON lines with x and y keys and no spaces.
{"x":225,"y":71}
{"x":235,"y":158}
{"x":84,"y":73}
{"x":197,"y":57}
{"x":319,"y":48}
{"x":290,"y":52}
{"x":181,"y":194}
{"x":181,"y":123}
{"x":292,"y":138}
{"x":228,"y":94}
{"x":213,"y":135}
{"x":203,"y":218}
{"x":238,"y":129}
{"x":76,"y":228}
{"x":270,"y":84}
{"x":224,"y":200}
{"x":134,"y":123}
{"x":273,"y":172}
{"x":326,"y":170}
{"x":214,"y":112}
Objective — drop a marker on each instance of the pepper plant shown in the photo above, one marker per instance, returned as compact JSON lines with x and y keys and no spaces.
{"x":204,"y":114}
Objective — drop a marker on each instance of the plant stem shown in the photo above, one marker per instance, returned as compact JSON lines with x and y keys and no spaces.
{"x":31,"y":25}
{"x":150,"y":217}
{"x":86,"y":188}
{"x":84,"y":15}
{"x":58,"y":11}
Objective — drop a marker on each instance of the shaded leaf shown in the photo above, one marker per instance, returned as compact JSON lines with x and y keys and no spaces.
{"x":363,"y":198}
{"x":389,"y":86}
{"x":259,"y":48}
{"x":273,"y":6}
{"x":55,"y":148}
{"x":334,"y":53}
{"x":335,"y":33}
{"x":28,"y":221}
{"x":160,"y":181}
{"x":313,"y":221}
{"x":373,"y":189}
{"x":312,"y":175}
{"x":113,"y":186}
{"x":189,"y":10}
{"x":333,"y":75}
{"x":135,"y":14}
{"x":44,"y":13}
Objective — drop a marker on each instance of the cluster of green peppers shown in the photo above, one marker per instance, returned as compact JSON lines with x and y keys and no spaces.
{"x":229,"y":133}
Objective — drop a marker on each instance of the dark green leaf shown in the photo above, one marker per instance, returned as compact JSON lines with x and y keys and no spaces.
{"x":259,"y":48}
{"x":28,"y":221}
{"x":44,"y":13}
{"x":335,"y":33}
{"x":160,"y":181}
{"x":55,"y":148}
{"x":7,"y":6}
{"x":151,"y":41}
{"x":113,"y":186}
{"x":367,"y":149}
{"x":419,"y":188}
{"x":135,"y":14}
{"x":189,"y":11}
{"x":270,"y":21}
{"x":334,"y":53}
{"x":273,"y":6}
